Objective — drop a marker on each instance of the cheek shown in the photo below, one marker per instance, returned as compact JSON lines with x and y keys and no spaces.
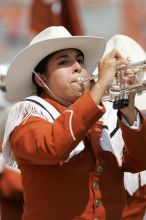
{"x":58,"y":80}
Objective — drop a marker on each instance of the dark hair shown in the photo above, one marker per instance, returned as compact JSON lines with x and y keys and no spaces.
{"x":41,"y":68}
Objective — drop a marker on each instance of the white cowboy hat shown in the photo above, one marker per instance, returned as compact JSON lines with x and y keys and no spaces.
{"x":19,"y":76}
{"x":129,"y":48}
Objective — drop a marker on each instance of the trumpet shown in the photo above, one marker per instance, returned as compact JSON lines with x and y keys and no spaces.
{"x":120,"y":90}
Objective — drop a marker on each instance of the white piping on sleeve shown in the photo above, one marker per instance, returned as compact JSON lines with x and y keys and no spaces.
{"x":70,"y":124}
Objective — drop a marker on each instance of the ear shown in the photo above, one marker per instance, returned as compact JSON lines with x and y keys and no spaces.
{"x":40,"y":80}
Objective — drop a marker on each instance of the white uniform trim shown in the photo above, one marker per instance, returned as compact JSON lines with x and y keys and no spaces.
{"x":116,"y":144}
{"x":70,"y":124}
{"x":21,"y":112}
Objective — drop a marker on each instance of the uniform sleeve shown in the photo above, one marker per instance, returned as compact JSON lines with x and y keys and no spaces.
{"x":10,"y":184}
{"x":134,"y":159}
{"x":40,"y":142}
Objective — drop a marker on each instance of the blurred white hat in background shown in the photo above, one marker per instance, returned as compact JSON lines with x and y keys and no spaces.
{"x":127,"y":47}
{"x":130,"y":49}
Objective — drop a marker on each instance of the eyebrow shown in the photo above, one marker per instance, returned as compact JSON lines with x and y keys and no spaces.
{"x":61,"y":56}
{"x":66,"y":55}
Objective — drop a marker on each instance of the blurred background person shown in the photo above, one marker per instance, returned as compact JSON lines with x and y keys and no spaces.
{"x":55,"y":13}
{"x":135,"y":184}
{"x":11,"y":196}
{"x":20,"y":20}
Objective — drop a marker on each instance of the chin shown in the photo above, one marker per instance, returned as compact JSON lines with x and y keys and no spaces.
{"x":74,"y":96}
{"x":77,"y":96}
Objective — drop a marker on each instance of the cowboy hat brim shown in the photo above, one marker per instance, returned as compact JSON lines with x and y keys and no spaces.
{"x":19,"y":75}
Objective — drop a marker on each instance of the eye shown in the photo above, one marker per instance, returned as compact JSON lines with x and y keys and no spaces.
{"x":80,"y":60}
{"x":63,"y":62}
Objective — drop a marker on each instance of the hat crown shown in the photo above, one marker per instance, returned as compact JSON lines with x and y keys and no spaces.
{"x":127,"y":47}
{"x":51,"y":33}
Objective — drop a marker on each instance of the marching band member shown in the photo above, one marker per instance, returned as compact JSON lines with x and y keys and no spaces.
{"x":11,"y":195}
{"x":135,"y":184}
{"x":68,"y":160}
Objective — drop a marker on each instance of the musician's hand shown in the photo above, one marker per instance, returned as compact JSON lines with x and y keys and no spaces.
{"x":107,"y":67}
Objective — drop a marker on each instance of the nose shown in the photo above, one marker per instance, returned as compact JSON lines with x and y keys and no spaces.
{"x":77,"y":67}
